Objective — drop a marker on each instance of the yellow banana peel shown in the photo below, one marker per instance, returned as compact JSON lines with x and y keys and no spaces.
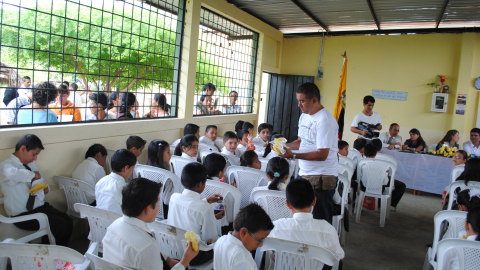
{"x":37,"y":188}
{"x":279,"y":144}
{"x":192,"y":237}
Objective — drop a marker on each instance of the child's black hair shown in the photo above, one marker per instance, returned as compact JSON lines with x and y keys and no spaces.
{"x":229,"y":135}
{"x":241,"y":133}
{"x":43,"y":93}
{"x":342,"y":144}
{"x":94,"y":149}
{"x":31,"y":142}
{"x":138,"y":194}
{"x":156,"y":148}
{"x":463,"y":198}
{"x":300,"y":193}
{"x":113,"y":96}
{"x":135,"y":141}
{"x":186,"y":141}
{"x":239,"y":125}
{"x":263,"y":126}
{"x":122,"y":158}
{"x":127,"y":101}
{"x":277,"y":169}
{"x":471,"y":172}
{"x":254,"y":218}
{"x":463,"y":153}
{"x":214,"y":163}
{"x":359,"y":143}
{"x":271,"y":136}
{"x":246,"y":159}
{"x":377,"y":143}
{"x":473,"y":218}
{"x":190,"y":129}
{"x":192,"y":174}
{"x":207,"y":129}
{"x":370,"y":150}
{"x":247,"y":125}
{"x":100,"y":99}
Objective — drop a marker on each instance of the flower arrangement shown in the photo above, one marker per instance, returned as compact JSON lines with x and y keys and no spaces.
{"x":440,"y":88}
{"x":445,"y":151}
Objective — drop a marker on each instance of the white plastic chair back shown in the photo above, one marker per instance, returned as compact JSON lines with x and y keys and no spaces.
{"x":204,"y":146}
{"x":177,"y":164}
{"x":264,"y":162}
{"x":174,"y":144}
{"x":273,"y":202}
{"x":98,"y":219}
{"x":219,"y":142}
{"x":387,"y":158}
{"x":75,"y":191}
{"x":467,"y":254}
{"x":456,"y":223}
{"x":32,"y":256}
{"x":102,"y":264}
{"x":457,"y":170}
{"x":204,"y":153}
{"x":346,"y":161}
{"x":432,"y":147}
{"x":170,"y":184}
{"x":346,"y":188}
{"x":108,"y":161}
{"x":460,"y":183}
{"x":354,"y":155}
{"x":294,"y":255}
{"x":246,"y":179}
{"x":173,"y":243}
{"x":346,"y":171}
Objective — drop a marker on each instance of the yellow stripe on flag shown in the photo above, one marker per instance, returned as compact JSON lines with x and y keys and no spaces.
{"x":343,"y":87}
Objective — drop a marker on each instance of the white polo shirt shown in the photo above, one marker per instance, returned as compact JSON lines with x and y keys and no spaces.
{"x":229,"y":253}
{"x":108,"y":192}
{"x":470,"y":148}
{"x":90,"y":172}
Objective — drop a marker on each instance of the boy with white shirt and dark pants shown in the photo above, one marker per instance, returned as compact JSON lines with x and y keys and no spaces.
{"x":129,"y":242}
{"x":189,"y":212}
{"x":108,"y":191}
{"x":91,"y":169}
{"x":367,"y":116}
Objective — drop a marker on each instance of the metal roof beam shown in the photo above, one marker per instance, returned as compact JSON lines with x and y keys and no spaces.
{"x":373,"y":14}
{"x":309,"y":14}
{"x":387,"y":32}
{"x":439,"y":19}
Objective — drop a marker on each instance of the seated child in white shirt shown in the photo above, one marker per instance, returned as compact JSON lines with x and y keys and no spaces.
{"x":129,"y":242}
{"x":210,"y":136}
{"x":230,"y":143}
{"x":277,"y":174}
{"x":471,"y":233}
{"x":233,"y":251}
{"x":250,"y":159}
{"x":187,"y":148}
{"x":135,"y":144}
{"x":18,"y":174}
{"x":108,"y":191}
{"x":262,"y":136}
{"x":343,"y":148}
{"x":242,"y":137}
{"x":465,"y":200}
{"x":189,"y":212}
{"x":359,"y":146}
{"x":91,"y":169}
{"x":303,"y":227}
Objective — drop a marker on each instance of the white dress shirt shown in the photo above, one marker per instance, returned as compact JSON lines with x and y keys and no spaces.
{"x":259,"y":142}
{"x":108,"y":192}
{"x":14,"y":105}
{"x":305,"y":229}
{"x":16,"y":181}
{"x":235,"y":155}
{"x":91,"y":172}
{"x":232,"y":109}
{"x":384,"y":137}
{"x":130,"y":243}
{"x":229,"y":253}
{"x":470,"y":148}
{"x":241,"y":148}
{"x":189,"y":212}
{"x":185,"y":155}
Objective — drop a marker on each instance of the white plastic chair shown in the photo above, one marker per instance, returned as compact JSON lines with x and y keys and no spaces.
{"x":98,"y":219}
{"x":102,"y":264}
{"x":170,"y":184}
{"x":174,"y":144}
{"x":432,"y":147}
{"x":294,"y":255}
{"x":273,"y":202}
{"x":354,"y":155}
{"x":346,"y":161}
{"x":32,"y":256}
{"x":264,"y":162}
{"x":75,"y":192}
{"x":375,"y":173}
{"x":460,"y":183}
{"x":219,"y":142}
{"x":177,"y":164}
{"x":467,"y":254}
{"x":246,"y":179}
{"x":347,"y":171}
{"x":337,"y":220}
{"x":173,"y":243}
{"x":204,"y":146}
{"x":108,"y":161}
{"x":387,"y":158}
{"x":456,"y":223}
{"x":457,"y":170}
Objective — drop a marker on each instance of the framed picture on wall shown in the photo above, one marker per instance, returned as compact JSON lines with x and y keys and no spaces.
{"x":439,"y":102}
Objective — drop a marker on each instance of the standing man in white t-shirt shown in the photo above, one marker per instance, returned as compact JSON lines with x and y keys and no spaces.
{"x":318,"y":145}
{"x":366,"y":117}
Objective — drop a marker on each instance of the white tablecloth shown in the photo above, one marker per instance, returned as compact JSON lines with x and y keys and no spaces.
{"x":421,"y":171}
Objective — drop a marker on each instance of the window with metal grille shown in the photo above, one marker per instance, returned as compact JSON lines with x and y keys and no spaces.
{"x":89,"y":60}
{"x":226,"y":61}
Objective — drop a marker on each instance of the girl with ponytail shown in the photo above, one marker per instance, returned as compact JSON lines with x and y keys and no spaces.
{"x":188,"y":147}
{"x":159,"y":154}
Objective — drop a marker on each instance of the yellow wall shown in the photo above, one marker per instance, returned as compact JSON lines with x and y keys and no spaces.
{"x":396,"y":63}
{"x":65,"y":146}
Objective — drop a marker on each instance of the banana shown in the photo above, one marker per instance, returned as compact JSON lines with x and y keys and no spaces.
{"x":37,"y":188}
{"x":192,"y":237}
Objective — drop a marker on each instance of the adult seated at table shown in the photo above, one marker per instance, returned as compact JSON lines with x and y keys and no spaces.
{"x":416,"y":141}
{"x":473,"y":146}
{"x":366,"y":118}
{"x":391,"y":139}
{"x":451,"y":139}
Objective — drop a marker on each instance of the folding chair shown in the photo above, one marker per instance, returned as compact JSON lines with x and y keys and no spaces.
{"x":170,"y":184}
{"x":273,"y":202}
{"x":294,"y":255}
{"x":457,"y":170}
{"x":75,"y":191}
{"x":246,"y":179}
{"x":101,"y":264}
{"x":338,"y":221}
{"x":466,"y":251}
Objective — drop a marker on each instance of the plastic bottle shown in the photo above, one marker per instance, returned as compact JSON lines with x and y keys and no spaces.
{"x":250,"y":144}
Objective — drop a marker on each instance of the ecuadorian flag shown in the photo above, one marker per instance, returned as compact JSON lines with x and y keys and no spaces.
{"x":339,"y":112}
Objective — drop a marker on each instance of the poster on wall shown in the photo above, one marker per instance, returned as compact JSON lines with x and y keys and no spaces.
{"x":461,"y":104}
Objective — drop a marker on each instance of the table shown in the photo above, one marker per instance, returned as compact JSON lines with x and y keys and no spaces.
{"x":422,"y":172}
